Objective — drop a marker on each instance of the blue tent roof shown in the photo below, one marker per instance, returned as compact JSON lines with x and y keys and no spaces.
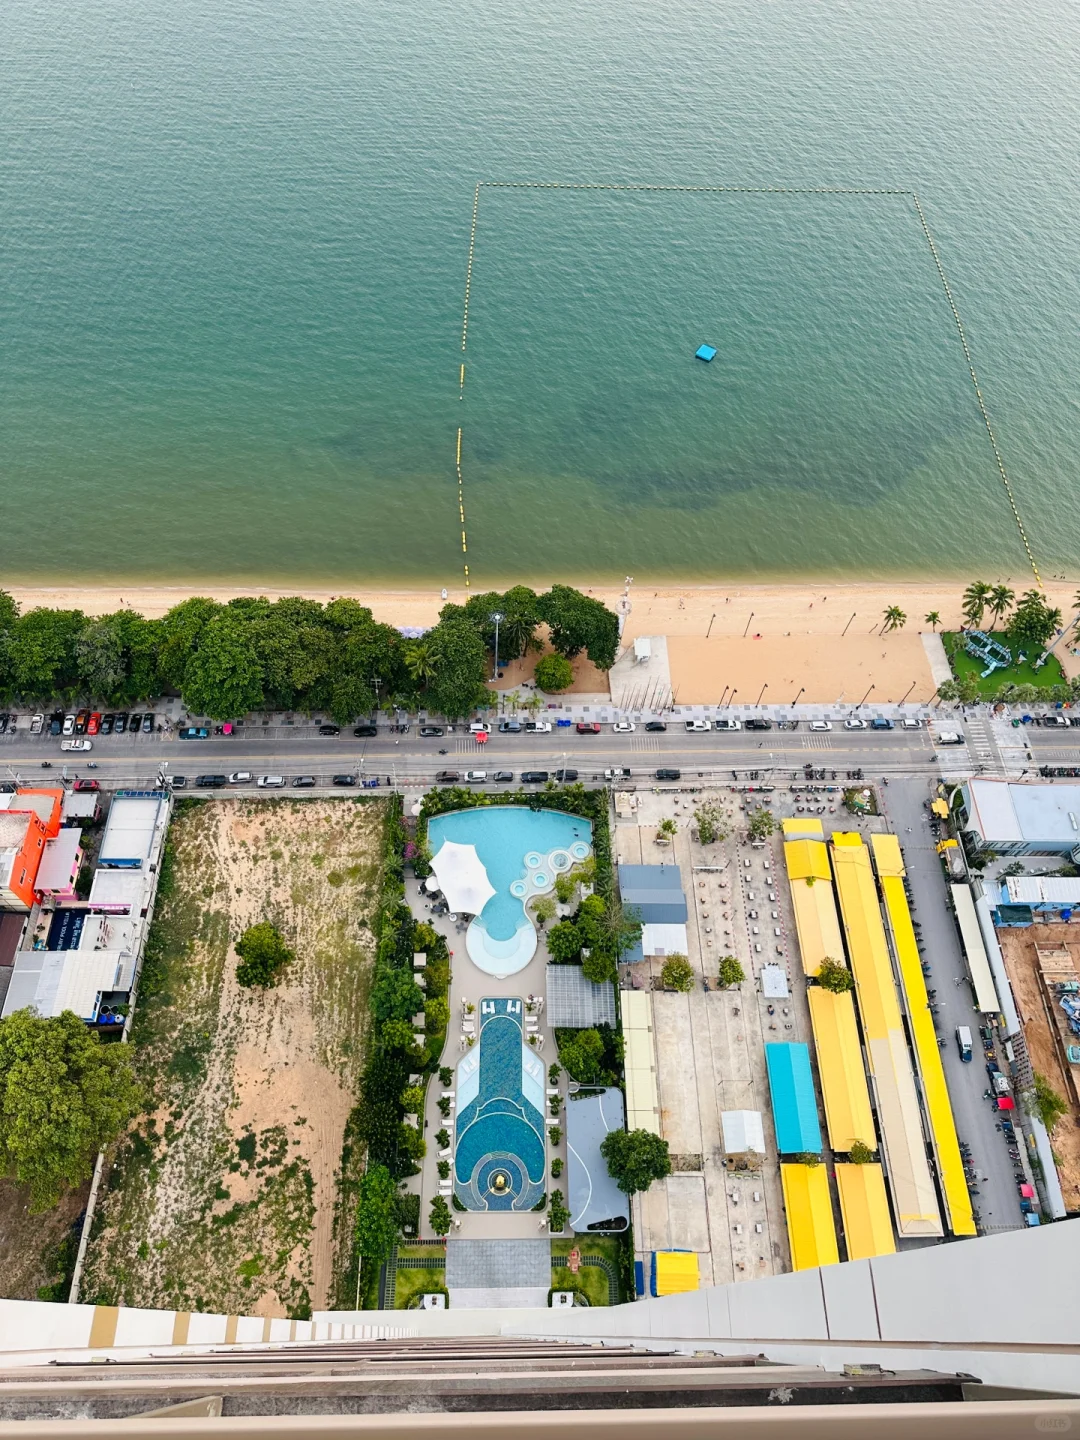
{"x":794,"y":1104}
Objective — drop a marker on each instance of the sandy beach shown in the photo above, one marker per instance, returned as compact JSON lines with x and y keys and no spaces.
{"x":823,"y":639}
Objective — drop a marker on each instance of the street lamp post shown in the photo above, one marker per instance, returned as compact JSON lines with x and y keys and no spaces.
{"x":731,"y":697}
{"x":763,"y":689}
{"x":709,"y":631}
{"x":908,"y":691}
{"x":845,"y":629}
{"x":796,"y":700}
{"x":722,"y":696}
{"x":497,"y":617}
{"x":862,"y":702}
{"x":744,"y":633}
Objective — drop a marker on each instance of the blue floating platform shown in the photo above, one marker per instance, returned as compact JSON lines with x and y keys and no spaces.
{"x":706,"y":352}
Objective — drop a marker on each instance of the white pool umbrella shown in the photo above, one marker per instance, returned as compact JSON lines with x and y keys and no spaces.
{"x":462,"y":877}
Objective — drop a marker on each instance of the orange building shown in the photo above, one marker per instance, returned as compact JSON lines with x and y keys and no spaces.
{"x":22,"y":843}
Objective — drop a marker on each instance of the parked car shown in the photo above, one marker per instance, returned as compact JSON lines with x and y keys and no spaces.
{"x":879,"y":722}
{"x":447,"y":777}
{"x":56,"y":722}
{"x":270,"y":782}
{"x":93,"y":725}
{"x":211,"y":782}
{"x":428,"y":732}
{"x":120,"y":724}
{"x":108,"y":720}
{"x":503,"y":777}
{"x":366,"y":732}
{"x":329,"y":729}
{"x":76,"y":745}
{"x":241,"y":777}
{"x":758,"y":722}
{"x":476,"y":777}
{"x":854,"y":722}
{"x":655,"y":725}
{"x":534,"y":777}
{"x":4,"y":723}
{"x":949,"y":737}
{"x":564,"y":777}
{"x":696,"y":727}
{"x":69,"y":724}
{"x":618,"y":773}
{"x":479,"y":727}
{"x":820,"y":724}
{"x":911,"y":722}
{"x":82,"y":719}
{"x":963,"y":1043}
{"x":667,"y":774}
{"x":148,"y":723}
{"x":135,"y":722}
{"x":193,"y":732}
{"x":727,"y":724}
{"x":37,"y":724}
{"x":538,"y":727}
{"x":344,"y":779}
{"x":178,"y":782}
{"x":624,"y":727}
{"x":81,"y":785}
{"x":509,"y":727}
{"x":304,"y":782}
{"x":1055,"y":721}
{"x":588,"y":727}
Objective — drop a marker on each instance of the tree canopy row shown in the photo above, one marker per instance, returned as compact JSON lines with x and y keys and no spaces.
{"x":252,"y":653}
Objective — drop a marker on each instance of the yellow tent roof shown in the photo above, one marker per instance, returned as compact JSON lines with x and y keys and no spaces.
{"x":809,"y":1216}
{"x":806,"y":857}
{"x":840,"y":1064}
{"x":803,"y":828}
{"x":940,"y":809}
{"x":676,"y":1272}
{"x":865,"y":1210}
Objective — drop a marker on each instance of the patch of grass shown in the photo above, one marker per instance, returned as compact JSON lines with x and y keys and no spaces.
{"x":411,"y":1284}
{"x":335,"y":878}
{"x":964,"y":664}
{"x":245,"y":1147}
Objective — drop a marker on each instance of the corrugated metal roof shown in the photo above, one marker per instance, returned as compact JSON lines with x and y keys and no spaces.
{"x":794,"y":1105}
{"x":848,"y":1115}
{"x":808,"y":1211}
{"x":982,"y":981}
{"x":1042,"y":890}
{"x":865,"y":1211}
{"x":639,"y":1063}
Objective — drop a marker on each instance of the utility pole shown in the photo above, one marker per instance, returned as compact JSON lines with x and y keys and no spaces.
{"x":497,"y":617}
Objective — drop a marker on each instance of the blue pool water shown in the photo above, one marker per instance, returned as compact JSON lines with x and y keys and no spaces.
{"x":522,"y":851}
{"x":500,"y":1120}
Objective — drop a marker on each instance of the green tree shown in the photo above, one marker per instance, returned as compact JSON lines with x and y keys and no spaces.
{"x":263,"y":955}
{"x":761,"y":824}
{"x":998,"y":602}
{"x":43,"y":654}
{"x":860,"y":1153}
{"x":440,"y":1216}
{"x":1032,"y":623}
{"x":948,"y":690}
{"x":412,"y":1099}
{"x":1046,"y":1103}
{"x":436,"y":1015}
{"x":397,"y":1035}
{"x":809,"y":1159}
{"x":9,"y":620}
{"x":635,"y":1158}
{"x":554,"y":673}
{"x":968,"y":690}
{"x":100,"y":653}
{"x":731,"y":972}
{"x":599,"y":966}
{"x":376,"y":1214}
{"x":460,"y":663}
{"x":182,"y":629}
{"x":582,"y":1055}
{"x":420,"y":662}
{"x":223,"y":678}
{"x":974,"y":602}
{"x":395,"y":995}
{"x":63,"y":1097}
{"x":895,"y":619}
{"x":667,"y":829}
{"x":577,"y":622}
{"x":544,"y":910}
{"x":677,"y":974}
{"x":835,"y":976}
{"x":565,"y":885}
{"x":710,"y":822}
{"x":564,"y":942}
{"x":933,"y":619}
{"x":558,"y":1214}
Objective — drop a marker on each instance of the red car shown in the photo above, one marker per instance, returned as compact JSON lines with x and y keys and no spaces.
{"x":93,"y":725}
{"x":588,"y":727}
{"x":86,"y":785}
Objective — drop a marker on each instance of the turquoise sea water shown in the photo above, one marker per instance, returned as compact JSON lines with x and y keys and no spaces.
{"x":232,"y":263}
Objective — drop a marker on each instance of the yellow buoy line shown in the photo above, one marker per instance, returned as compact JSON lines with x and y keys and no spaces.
{"x":728,"y":190}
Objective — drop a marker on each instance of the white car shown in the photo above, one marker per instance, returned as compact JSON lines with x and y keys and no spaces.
{"x":820,"y":724}
{"x":69,"y":724}
{"x":475,"y":777}
{"x":624,"y":727}
{"x":620,"y":774}
{"x":910,"y":722}
{"x":695,"y":727}
{"x":727,"y":724}
{"x":241,"y":777}
{"x":853,"y":722}
{"x":479,"y":727}
{"x":36,"y":724}
{"x":270,"y":782}
{"x":538,"y":727}
{"x":76,"y":745}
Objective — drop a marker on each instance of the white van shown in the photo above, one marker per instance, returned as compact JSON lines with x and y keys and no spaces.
{"x":963,"y":1042}
{"x":475,"y":777}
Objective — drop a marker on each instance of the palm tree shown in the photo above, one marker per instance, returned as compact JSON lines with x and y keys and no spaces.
{"x":517,"y":634}
{"x":420,"y":663}
{"x":933,"y":619}
{"x":895,"y":619}
{"x":975,"y":599}
{"x":998,"y":601}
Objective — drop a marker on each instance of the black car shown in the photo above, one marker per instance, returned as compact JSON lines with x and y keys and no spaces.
{"x":344,"y":779}
{"x":429,"y":732}
{"x":655,"y":725}
{"x":758,"y":722}
{"x":329,"y":729}
{"x":669,"y":774}
{"x":534,"y":777}
{"x":564,"y":775}
{"x":3,"y":724}
{"x":365,"y":732}
{"x":120,"y":723}
{"x":148,"y":724}
{"x":134,"y":723}
{"x":447,"y":777}
{"x":304,"y":782}
{"x":56,"y":722}
{"x":107,"y":723}
{"x":209,"y":782}
{"x":503,"y":777}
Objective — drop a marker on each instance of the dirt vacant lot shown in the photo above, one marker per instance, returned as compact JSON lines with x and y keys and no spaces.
{"x":224,"y":1197}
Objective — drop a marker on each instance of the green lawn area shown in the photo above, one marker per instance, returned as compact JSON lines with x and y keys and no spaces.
{"x":591,"y":1280}
{"x":964,"y":664}
{"x":412,"y":1283}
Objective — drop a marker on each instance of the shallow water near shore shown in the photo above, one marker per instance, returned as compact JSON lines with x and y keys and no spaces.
{"x":232,"y":264}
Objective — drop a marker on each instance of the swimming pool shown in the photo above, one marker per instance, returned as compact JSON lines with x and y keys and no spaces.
{"x":522,"y":851}
{"x":499,"y":1134}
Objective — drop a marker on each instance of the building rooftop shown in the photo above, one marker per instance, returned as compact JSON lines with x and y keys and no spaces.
{"x":129,"y":830}
{"x":575,"y":1003}
{"x":1004,"y":812}
{"x":59,"y":860}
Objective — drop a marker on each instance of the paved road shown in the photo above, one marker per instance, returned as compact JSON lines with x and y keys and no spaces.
{"x":998,"y":1202}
